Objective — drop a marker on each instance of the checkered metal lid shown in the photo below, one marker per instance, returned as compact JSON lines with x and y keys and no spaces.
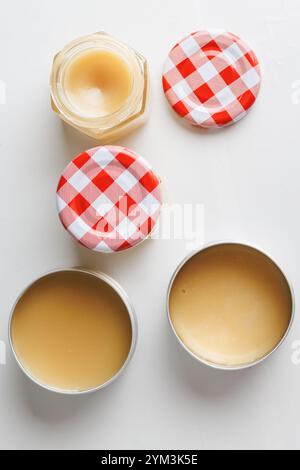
{"x":109,"y":199}
{"x":211,"y":78}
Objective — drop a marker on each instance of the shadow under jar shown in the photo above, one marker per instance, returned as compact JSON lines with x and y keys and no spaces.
{"x":99,"y":85}
{"x":73,"y":331}
{"x":230,"y":306}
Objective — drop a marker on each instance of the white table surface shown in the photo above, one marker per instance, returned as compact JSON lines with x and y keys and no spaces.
{"x":247,"y":178}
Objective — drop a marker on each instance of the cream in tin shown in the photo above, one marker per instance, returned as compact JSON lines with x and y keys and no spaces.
{"x":73,"y":331}
{"x":230,"y":305}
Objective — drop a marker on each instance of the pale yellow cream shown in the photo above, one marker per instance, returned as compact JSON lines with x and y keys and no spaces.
{"x":97,"y":82}
{"x":71,"y":331}
{"x":230,"y":305}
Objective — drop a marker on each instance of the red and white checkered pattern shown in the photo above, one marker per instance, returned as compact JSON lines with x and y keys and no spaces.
{"x":211,"y":78}
{"x":109,"y":199}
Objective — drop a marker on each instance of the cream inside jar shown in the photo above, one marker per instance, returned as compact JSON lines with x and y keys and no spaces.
{"x":230,"y":305}
{"x":97,"y":82}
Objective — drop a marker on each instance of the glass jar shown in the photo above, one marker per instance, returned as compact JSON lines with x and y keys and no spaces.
{"x":100,"y":86}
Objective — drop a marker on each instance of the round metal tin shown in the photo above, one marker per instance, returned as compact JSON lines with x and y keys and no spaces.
{"x":131,"y":313}
{"x":220,"y":366}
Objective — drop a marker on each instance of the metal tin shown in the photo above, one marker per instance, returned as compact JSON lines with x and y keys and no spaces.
{"x":219,"y":366}
{"x":131,"y":313}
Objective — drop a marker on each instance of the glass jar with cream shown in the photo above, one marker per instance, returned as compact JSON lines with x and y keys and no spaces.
{"x":100,"y":86}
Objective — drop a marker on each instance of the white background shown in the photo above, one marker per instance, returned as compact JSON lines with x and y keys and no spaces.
{"x":247,"y":176}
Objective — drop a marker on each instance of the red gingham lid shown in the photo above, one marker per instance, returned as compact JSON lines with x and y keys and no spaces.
{"x":109,"y":199}
{"x":211,"y":78}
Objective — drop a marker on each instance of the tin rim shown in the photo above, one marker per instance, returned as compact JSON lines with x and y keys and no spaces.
{"x":221,"y":366}
{"x":131,"y":314}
